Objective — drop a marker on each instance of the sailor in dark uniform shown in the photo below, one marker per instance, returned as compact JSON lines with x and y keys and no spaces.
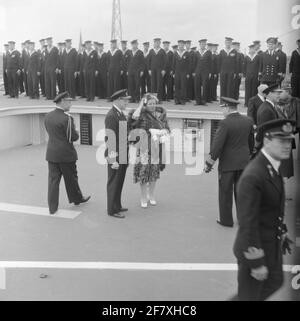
{"x":202,"y":73}
{"x":282,"y":62}
{"x":61,"y":154}
{"x":181,"y":69}
{"x":229,"y":60}
{"x":61,"y":67}
{"x":136,"y":69}
{"x":90,"y":71}
{"x":214,"y":73}
{"x":33,"y":72}
{"x":168,"y":79}
{"x":42,"y":55}
{"x":239,"y":75}
{"x":257,"y":47}
{"x":115,"y":68}
{"x":146,"y":79}
{"x":190,"y":81}
{"x":233,"y":146}
{"x":101,"y":80}
{"x":51,"y":69}
{"x":5,"y":80}
{"x":262,"y":235}
{"x":13,"y":70}
{"x":157,"y":64}
{"x":125,"y":63}
{"x":269,"y":64}
{"x":25,"y":59}
{"x":81,"y":57}
{"x":294,"y":68}
{"x":70,"y":68}
{"x":251,"y":71}
{"x":116,"y":153}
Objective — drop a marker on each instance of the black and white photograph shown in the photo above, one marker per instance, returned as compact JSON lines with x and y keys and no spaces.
{"x":149,"y":153}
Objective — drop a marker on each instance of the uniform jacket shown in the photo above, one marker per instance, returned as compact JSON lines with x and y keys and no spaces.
{"x":91,"y":61}
{"x":136,"y":63}
{"x":294,"y":66}
{"x":14,"y":61}
{"x":126,"y":59}
{"x":70,"y":61}
{"x":251,"y":66}
{"x":4,"y":58}
{"x":24,"y":59}
{"x":115,"y":61}
{"x":203,"y":63}
{"x":269,"y":66}
{"x":42,"y":56}
{"x":170,"y":57}
{"x":260,"y":211}
{"x":59,"y":149}
{"x":253,"y":105}
{"x":215,"y":64}
{"x":115,"y":120}
{"x":51,"y":59}
{"x":241,"y":60}
{"x":34,"y":63}
{"x":266,"y":112}
{"x":282,"y":61}
{"x":157,"y":61}
{"x":61,"y":60}
{"x":102,"y":63}
{"x":181,"y":64}
{"x":229,"y":63}
{"x":81,"y":57}
{"x":233,"y":143}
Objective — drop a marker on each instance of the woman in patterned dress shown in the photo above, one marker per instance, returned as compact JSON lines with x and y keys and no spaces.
{"x":149,"y":127}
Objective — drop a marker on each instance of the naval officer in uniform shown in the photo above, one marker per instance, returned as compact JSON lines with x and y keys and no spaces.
{"x":233,"y":146}
{"x":116,"y":152}
{"x":61,"y":154}
{"x":262,"y":236}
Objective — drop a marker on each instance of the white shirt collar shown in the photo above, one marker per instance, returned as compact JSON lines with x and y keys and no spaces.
{"x":118,"y":109}
{"x":262,"y":98}
{"x":114,"y":51}
{"x":156,"y":50}
{"x":68,"y":50}
{"x":181,"y":53}
{"x":269,"y":101}
{"x":275,"y":163}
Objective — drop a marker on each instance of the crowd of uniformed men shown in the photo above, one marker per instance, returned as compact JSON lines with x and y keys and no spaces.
{"x":184,"y":74}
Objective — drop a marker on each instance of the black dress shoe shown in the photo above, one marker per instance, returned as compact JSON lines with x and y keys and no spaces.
{"x":52,"y":212}
{"x":123,"y":209}
{"x":83,"y":200}
{"x":117,"y":215}
{"x":226,"y":225}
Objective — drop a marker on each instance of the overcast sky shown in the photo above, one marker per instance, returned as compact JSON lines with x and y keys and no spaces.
{"x":141,"y":19}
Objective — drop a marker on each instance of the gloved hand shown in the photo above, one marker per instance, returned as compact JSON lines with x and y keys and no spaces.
{"x":208,"y":167}
{"x":286,"y":245}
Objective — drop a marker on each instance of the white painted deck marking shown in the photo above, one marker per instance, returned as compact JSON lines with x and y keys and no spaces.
{"x":35,"y":210}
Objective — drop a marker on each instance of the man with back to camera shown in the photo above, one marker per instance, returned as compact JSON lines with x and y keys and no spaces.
{"x":61,"y":154}
{"x":262,"y":236}
{"x":255,"y":102}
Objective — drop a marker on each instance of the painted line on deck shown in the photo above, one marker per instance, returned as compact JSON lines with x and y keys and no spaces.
{"x":35,"y":210}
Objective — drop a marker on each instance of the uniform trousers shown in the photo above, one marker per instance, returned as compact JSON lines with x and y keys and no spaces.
{"x":115,"y":182}
{"x":157,"y":83}
{"x":70,"y":82}
{"x":33,"y":84}
{"x":227,"y":83}
{"x":69,"y":172}
{"x":201,"y":88}
{"x":13,"y":83}
{"x":50,"y":84}
{"x":295,"y":83}
{"x":227,"y":188}
{"x":180,"y":87}
{"x":251,"y":84}
{"x":113,"y":82}
{"x":134,"y":85}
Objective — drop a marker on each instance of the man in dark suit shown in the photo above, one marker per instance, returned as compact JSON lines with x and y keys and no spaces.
{"x":229,"y":63}
{"x":115,"y":68}
{"x":251,"y":71}
{"x":90,"y":71}
{"x":282,"y":62}
{"x":51,"y":69}
{"x":202,"y":73}
{"x":168,"y":79}
{"x":262,"y":235}
{"x":157,"y":65}
{"x":61,"y":67}
{"x":33,"y":72}
{"x":294,"y":69}
{"x":5,"y":80}
{"x":255,"y":102}
{"x":269,"y":70}
{"x":70,"y":68}
{"x":61,"y":154}
{"x":146,"y":79}
{"x":116,"y":153}
{"x":181,"y":69}
{"x":136,"y":69}
{"x":101,"y":80}
{"x":233,"y":146}
{"x":13,"y":70}
{"x":269,"y":110}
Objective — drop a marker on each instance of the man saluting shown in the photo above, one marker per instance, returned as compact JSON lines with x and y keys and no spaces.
{"x":116,"y":152}
{"x":61,"y":154}
{"x":262,"y":236}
